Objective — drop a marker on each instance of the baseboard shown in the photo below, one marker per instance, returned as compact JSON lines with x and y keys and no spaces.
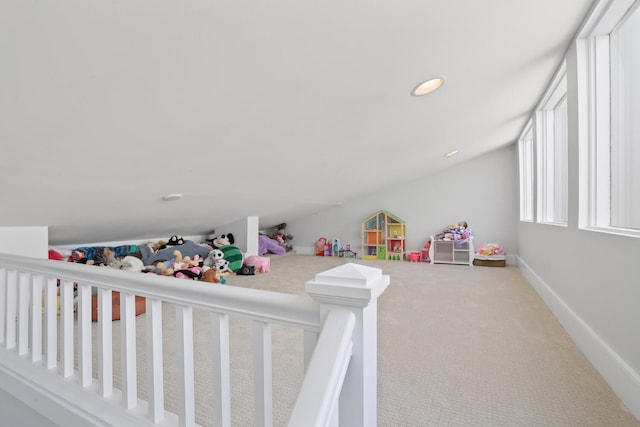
{"x":305,"y":250}
{"x":621,"y":377}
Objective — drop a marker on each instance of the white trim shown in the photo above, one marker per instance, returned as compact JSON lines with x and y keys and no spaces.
{"x":526,"y":168}
{"x":595,"y":109}
{"x":552,"y":151}
{"x":622,"y":378}
{"x":603,"y":18}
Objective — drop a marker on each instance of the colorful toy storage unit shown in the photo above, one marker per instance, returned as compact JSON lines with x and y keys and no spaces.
{"x":383,"y":237}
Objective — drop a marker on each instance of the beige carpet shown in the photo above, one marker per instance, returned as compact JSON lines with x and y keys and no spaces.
{"x":458,"y":346}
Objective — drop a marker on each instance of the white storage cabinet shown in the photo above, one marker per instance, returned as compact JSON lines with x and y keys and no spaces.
{"x":447,"y":252}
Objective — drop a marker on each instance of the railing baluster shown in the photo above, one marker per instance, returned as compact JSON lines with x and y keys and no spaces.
{"x":12,"y":308}
{"x":310,"y":339}
{"x":84,"y":335}
{"x":128,"y":359}
{"x":23,"y":325}
{"x":186,"y":399}
{"x":221,"y":367}
{"x":105,"y":343}
{"x":154,"y":360}
{"x":3,"y":302}
{"x":36,"y":318}
{"x":262,"y":374}
{"x":24,"y":299}
{"x":66,"y":295}
{"x":51,"y":323}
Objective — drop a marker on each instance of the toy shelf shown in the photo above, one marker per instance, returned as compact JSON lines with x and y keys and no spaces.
{"x":383,"y":237}
{"x":448,"y":252}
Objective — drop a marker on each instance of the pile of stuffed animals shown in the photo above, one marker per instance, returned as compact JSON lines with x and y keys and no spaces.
{"x":211,"y":261}
{"x":275,"y":240}
{"x":460,"y":233}
{"x":222,"y":259}
{"x":490,"y":249}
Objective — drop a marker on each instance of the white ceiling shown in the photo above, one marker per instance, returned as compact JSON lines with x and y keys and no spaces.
{"x":277,"y":109}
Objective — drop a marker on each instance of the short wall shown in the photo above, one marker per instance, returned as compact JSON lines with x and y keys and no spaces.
{"x":26,"y":241}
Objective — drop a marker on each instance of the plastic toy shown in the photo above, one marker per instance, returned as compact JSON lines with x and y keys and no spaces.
{"x":320,"y":246}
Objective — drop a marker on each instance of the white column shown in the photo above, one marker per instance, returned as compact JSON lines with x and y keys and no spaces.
{"x":355,"y":287}
{"x":252,"y":235}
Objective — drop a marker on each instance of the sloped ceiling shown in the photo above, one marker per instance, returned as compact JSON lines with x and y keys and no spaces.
{"x":277,"y":109}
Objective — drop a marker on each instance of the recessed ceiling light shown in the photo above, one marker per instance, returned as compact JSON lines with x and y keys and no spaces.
{"x":427,"y":87}
{"x":452,"y":153}
{"x":172,"y":197}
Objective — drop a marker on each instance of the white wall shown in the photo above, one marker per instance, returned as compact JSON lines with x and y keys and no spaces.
{"x":245,"y":234}
{"x":590,"y":280}
{"x":481,"y":191}
{"x":26,"y":241}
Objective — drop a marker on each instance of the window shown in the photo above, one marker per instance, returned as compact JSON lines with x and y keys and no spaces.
{"x":551,"y":143}
{"x":609,"y":91}
{"x":625,"y":135}
{"x":525,"y":159}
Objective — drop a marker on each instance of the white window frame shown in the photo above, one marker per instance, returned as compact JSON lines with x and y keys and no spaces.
{"x":526,"y":173}
{"x":552,"y":152}
{"x":594,"y":112}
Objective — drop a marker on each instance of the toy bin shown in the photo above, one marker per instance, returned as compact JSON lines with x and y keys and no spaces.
{"x":489,"y":262}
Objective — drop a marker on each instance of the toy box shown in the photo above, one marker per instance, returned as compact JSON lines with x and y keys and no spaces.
{"x":489,"y":262}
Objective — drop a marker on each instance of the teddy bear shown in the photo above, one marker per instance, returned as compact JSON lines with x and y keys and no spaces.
{"x":211,"y":276}
{"x":160,"y":244}
{"x":178,"y":261}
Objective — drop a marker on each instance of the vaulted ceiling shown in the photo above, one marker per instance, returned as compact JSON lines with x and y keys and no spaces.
{"x":277,"y":109}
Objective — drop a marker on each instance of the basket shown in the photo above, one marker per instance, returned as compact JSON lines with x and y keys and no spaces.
{"x":489,"y":262}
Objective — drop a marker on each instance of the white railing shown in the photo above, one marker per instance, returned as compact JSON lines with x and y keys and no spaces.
{"x":339,"y":323}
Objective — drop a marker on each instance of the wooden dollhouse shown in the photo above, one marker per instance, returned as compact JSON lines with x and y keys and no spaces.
{"x":383,"y":237}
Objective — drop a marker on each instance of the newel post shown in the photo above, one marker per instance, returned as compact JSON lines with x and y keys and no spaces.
{"x":355,"y":287}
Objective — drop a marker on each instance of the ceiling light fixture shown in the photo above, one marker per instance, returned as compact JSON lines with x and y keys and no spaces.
{"x":452,"y":153}
{"x":427,"y":87}
{"x":172,"y":197}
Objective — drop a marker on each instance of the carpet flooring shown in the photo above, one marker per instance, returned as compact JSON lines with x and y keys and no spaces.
{"x":457,"y":346}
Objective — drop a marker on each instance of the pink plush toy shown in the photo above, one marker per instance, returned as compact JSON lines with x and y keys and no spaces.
{"x":266,"y":244}
{"x":193,"y":273}
{"x":260,"y":262}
